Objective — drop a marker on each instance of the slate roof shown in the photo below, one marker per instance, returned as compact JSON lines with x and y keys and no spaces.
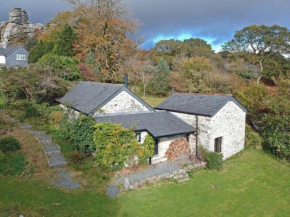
{"x":87,"y":97}
{"x":8,"y":50}
{"x":197,"y":104}
{"x":158,"y":124}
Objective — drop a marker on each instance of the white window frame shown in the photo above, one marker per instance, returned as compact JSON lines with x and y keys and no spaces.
{"x":20,"y":57}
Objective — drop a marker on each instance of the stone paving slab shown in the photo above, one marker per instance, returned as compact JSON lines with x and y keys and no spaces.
{"x":56,"y":160}
{"x":25,"y":126}
{"x":43,"y":138}
{"x":64,"y":179}
{"x":50,"y":148}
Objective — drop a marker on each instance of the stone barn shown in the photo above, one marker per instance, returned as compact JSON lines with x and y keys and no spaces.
{"x":117,"y":104}
{"x":216,"y":122}
{"x":220,"y":120}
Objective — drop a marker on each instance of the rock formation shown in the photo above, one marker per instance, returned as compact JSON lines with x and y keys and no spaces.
{"x":18,"y":24}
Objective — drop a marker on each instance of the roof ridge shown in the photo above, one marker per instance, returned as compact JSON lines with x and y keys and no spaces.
{"x":94,"y":82}
{"x":207,"y":94}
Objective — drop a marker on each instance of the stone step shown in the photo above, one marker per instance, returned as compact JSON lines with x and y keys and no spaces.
{"x":43,"y":138}
{"x":36,"y":133}
{"x":156,"y":160}
{"x":183,"y":180}
{"x":56,"y":160}
{"x":50,"y":148}
{"x":25,"y":126}
{"x":179,"y":176}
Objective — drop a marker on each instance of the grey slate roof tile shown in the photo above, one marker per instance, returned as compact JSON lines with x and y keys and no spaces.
{"x":88,"y":96}
{"x":158,"y":124}
{"x":197,"y":104}
{"x":8,"y":50}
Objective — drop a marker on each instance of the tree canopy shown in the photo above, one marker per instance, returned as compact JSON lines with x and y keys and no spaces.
{"x":259,"y":43}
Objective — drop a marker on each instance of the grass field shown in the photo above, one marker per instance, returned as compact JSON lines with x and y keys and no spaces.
{"x":153,"y":100}
{"x":251,"y":184}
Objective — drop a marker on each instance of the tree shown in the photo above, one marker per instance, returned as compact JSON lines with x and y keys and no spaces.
{"x":64,"y":42}
{"x":159,"y":85}
{"x":103,"y":26}
{"x":38,"y":51}
{"x":260,"y":44}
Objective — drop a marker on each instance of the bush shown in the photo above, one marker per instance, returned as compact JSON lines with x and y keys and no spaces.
{"x":30,"y":112}
{"x":214,"y":160}
{"x":80,"y":132}
{"x":146,"y":150}
{"x":253,"y":139}
{"x":12,"y":164}
{"x":77,"y":157}
{"x":115,"y":145}
{"x":9,"y":144}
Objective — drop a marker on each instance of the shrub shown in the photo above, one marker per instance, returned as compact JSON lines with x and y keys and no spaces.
{"x":12,"y":164}
{"x":30,"y":112}
{"x":80,"y":132}
{"x":201,"y":152}
{"x":115,"y":145}
{"x":9,"y":144}
{"x":77,"y":157}
{"x":214,"y":160}
{"x":146,"y":150}
{"x":253,"y":139}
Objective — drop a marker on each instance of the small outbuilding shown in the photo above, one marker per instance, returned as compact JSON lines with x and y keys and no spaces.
{"x":14,"y":55}
{"x":220,"y":120}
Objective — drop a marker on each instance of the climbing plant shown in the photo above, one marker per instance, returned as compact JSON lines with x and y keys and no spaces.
{"x":115,"y":145}
{"x":146,"y":150}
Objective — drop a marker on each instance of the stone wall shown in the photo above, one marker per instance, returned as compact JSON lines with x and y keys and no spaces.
{"x":123,"y":103}
{"x":229,"y":123}
{"x":163,"y":144}
{"x":73,"y":114}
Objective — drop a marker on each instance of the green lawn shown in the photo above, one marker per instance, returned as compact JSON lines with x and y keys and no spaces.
{"x":251,"y":184}
{"x":153,"y":100}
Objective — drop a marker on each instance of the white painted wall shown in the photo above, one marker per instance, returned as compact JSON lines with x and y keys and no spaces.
{"x":2,"y":60}
{"x":163,"y":144}
{"x":123,"y":103}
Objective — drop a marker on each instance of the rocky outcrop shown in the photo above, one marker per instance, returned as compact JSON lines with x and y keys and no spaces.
{"x":18,"y":24}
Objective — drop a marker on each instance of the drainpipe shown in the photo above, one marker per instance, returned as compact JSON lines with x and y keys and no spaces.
{"x":196,"y":136}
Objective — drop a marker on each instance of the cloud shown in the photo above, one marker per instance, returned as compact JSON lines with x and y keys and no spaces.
{"x":207,"y":19}
{"x":213,"y":20}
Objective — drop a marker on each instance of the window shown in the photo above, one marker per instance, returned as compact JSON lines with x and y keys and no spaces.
{"x":20,"y":57}
{"x":138,"y":137}
{"x":156,"y":147}
{"x":218,"y":145}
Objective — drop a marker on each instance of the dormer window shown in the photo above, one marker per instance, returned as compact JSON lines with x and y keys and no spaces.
{"x":20,"y":57}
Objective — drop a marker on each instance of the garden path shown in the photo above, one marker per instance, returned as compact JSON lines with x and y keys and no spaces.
{"x":62,"y":177}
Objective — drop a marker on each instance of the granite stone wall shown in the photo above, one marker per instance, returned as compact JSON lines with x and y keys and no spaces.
{"x":123,"y":103}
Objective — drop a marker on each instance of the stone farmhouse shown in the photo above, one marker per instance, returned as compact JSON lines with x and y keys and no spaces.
{"x":14,"y":55}
{"x":216,"y":122}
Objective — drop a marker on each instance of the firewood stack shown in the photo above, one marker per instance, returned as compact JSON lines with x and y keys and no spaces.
{"x":179,"y":149}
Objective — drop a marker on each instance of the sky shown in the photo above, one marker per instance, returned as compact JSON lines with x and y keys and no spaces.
{"x":212,"y":20}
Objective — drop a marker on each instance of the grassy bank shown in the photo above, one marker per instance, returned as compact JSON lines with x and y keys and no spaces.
{"x":251,"y":184}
